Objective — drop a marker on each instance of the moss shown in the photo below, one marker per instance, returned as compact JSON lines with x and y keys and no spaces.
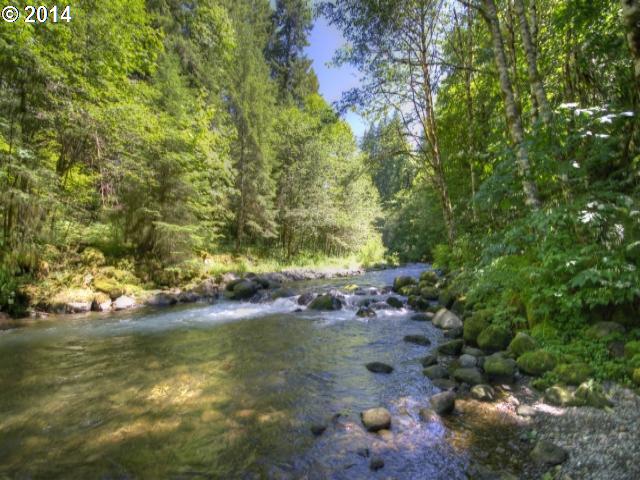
{"x":499,"y":367}
{"x":494,"y":338}
{"x":401,"y":282}
{"x":409,"y":290}
{"x":108,"y":286}
{"x":429,"y":277}
{"x":92,"y":257}
{"x":474,"y":325}
{"x":325,"y":302}
{"x":632,"y":348}
{"x":536,"y":362}
{"x":73,"y":295}
{"x":573,"y":373}
{"x":635,"y":376}
{"x":522,"y":343}
{"x":591,"y":394}
{"x":545,"y":332}
{"x":430,"y":293}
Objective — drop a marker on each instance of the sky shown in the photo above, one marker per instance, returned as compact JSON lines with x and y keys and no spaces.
{"x":325,"y":39}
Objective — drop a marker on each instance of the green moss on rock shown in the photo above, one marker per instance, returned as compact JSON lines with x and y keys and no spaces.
{"x":403,"y":281}
{"x":536,"y":362}
{"x":522,"y":343}
{"x":474,"y":325}
{"x":632,"y":348}
{"x":573,"y":373}
{"x":494,"y":338}
{"x":109,"y":286}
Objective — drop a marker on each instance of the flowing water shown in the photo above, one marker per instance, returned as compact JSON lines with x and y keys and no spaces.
{"x":227,"y":391}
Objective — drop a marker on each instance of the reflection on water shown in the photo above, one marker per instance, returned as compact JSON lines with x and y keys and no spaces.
{"x":198,"y":393}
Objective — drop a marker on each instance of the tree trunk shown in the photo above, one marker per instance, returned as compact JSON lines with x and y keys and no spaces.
{"x":631,"y":15}
{"x":511,"y":109}
{"x":537,"y":87}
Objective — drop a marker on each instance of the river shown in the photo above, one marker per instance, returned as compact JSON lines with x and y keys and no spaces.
{"x":228,"y":391}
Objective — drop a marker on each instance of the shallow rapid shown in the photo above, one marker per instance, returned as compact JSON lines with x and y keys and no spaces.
{"x":228,"y":390}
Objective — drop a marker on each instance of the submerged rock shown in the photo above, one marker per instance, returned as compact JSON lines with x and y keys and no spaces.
{"x":366,"y":312}
{"x":318,"y":429}
{"x":446,"y":319}
{"x":379,"y":367}
{"x":421,"y":317}
{"x":548,"y":453}
{"x":427,"y":415}
{"x":376,"y":419}
{"x":429,"y":360}
{"x":483,"y":393}
{"x":376,"y":463}
{"x":326,"y":302}
{"x":418,"y":340}
{"x":395,"y":302}
{"x":443,"y":403}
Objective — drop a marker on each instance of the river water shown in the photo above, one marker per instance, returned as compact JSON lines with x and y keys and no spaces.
{"x":229,"y":391}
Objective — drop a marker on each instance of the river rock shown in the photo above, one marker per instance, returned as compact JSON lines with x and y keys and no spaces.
{"x":207,"y":288}
{"x":101,"y":304}
{"x":318,"y":429}
{"x":548,"y":453}
{"x":429,"y":360}
{"x":453,"y":333}
{"x":522,"y":343}
{"x":282,"y":293}
{"x":536,"y":363}
{"x":418,"y":340}
{"x":78,"y":307}
{"x":443,"y":403}
{"x":604,"y":329}
{"x":123,"y":303}
{"x":591,"y":394}
{"x":379,"y":367}
{"x":499,"y":367}
{"x":376,"y":419}
{"x":326,"y":302}
{"x":376,"y":463}
{"x":445,"y":383}
{"x":494,"y":338}
{"x":467,"y":361}
{"x":421,"y":317}
{"x":573,"y":373}
{"x":475,"y":324}
{"x":191,"y":297}
{"x":403,"y":281}
{"x":162,"y":299}
{"x":366,"y":312}
{"x":435,"y":372}
{"x":454,"y":347}
{"x":306,"y":298}
{"x":395,"y":302}
{"x":427,"y":415}
{"x":446,"y":319}
{"x":242,"y":290}
{"x":429,"y":277}
{"x":475,"y":352}
{"x":483,"y":393}
{"x":558,"y":396}
{"x":471,"y":376}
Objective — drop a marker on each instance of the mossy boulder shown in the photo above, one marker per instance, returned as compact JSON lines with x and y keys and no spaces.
{"x":635,"y":376}
{"x":474,"y":325}
{"x":109,"y":286}
{"x":544,"y":331}
{"x":243,"y":290}
{"x":446,"y":298}
{"x":326,"y":302}
{"x":536,"y":362}
{"x":522,"y":343}
{"x":573,"y":373}
{"x":494,"y":338}
{"x":409,"y":290}
{"x":632,"y":348}
{"x":435,"y":372}
{"x":591,"y":394}
{"x":429,"y":293}
{"x":471,"y":376}
{"x":454,"y":347}
{"x":429,"y":277}
{"x":499,"y":367}
{"x":604,"y":329}
{"x":92,"y":257}
{"x":395,"y":302}
{"x":403,"y":281}
{"x":559,"y":396}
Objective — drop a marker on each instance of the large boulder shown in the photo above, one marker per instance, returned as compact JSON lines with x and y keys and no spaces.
{"x":443,"y":403}
{"x":243,"y":290}
{"x":430,"y":293}
{"x":467,"y":361}
{"x":522,"y":343}
{"x":376,"y":419}
{"x":500,"y":367}
{"x":326,"y":302}
{"x":109,"y":286}
{"x":536,"y":363}
{"x":207,"y":288}
{"x":476,"y":324}
{"x":454,"y":347}
{"x":76,"y":300}
{"x":446,"y":319}
{"x":162,"y":299}
{"x":123,"y":303}
{"x":471,"y":376}
{"x":494,"y":338}
{"x":403,"y":281}
{"x":429,"y":277}
{"x":603,"y":329}
{"x":548,"y":453}
{"x":446,"y":298}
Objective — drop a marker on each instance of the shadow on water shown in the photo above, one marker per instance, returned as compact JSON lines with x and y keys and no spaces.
{"x":180,"y":394}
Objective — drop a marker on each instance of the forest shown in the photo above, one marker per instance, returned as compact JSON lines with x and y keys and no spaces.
{"x":155,"y":143}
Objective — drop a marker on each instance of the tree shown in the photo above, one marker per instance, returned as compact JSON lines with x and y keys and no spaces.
{"x":631,"y":15}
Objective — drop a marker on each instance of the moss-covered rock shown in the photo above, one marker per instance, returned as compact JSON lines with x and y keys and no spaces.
{"x":536,"y":362}
{"x":494,"y":338}
{"x":632,"y":348}
{"x":573,"y":373}
{"x":474,"y":325}
{"x":109,"y":286}
{"x":446,"y":298}
{"x":429,"y":277}
{"x":604,"y":329}
{"x":92,"y":257}
{"x":591,"y":394}
{"x":395,"y":302}
{"x":522,"y":343}
{"x":635,"y":376}
{"x":545,"y":331}
{"x":326,"y":302}
{"x":499,"y":367}
{"x":471,"y":376}
{"x":454,"y":347}
{"x":429,"y":293}
{"x":559,"y":396}
{"x":403,"y":281}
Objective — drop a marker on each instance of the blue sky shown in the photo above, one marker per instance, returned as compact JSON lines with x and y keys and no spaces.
{"x":324,"y":41}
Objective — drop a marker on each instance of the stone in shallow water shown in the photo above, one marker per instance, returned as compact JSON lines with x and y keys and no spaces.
{"x":418,"y":340}
{"x":379,"y":367}
{"x":454,"y":347}
{"x":435,"y":372}
{"x":429,"y":360}
{"x":443,"y":403}
{"x":471,"y":376}
{"x":445,"y":384}
{"x":376,"y":463}
{"x":446,"y":319}
{"x":483,"y":393}
{"x":421,"y":317}
{"x":318,"y":429}
{"x":548,"y":453}
{"x":365,"y":312}
{"x":395,"y":302}
{"x":427,"y":415}
{"x":376,"y":419}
